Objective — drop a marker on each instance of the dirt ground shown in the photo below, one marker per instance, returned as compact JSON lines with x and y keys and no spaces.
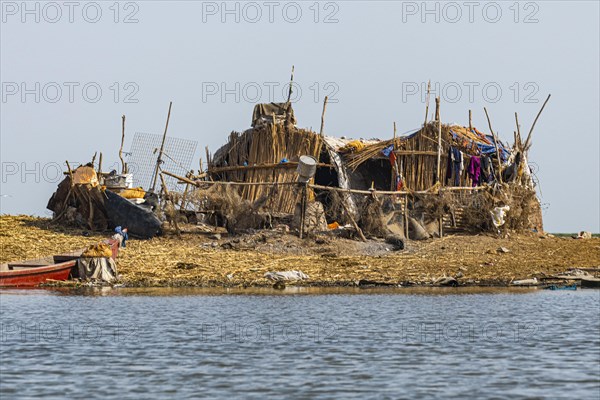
{"x":199,"y":260}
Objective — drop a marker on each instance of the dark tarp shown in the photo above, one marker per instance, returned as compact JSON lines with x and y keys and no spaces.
{"x":139,"y":221}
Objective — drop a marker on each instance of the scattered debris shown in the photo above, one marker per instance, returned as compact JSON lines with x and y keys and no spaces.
{"x":525,"y":282}
{"x":286,"y":276}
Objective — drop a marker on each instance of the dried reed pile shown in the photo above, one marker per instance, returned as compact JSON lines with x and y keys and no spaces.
{"x":256,"y":156}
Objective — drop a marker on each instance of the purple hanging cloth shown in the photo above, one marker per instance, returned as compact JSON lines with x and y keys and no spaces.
{"x":474,"y":170}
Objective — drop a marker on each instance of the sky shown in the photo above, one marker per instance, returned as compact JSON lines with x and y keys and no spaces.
{"x":69,"y":70}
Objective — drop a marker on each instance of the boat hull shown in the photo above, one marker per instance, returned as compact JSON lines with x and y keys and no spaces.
{"x":31,"y":277}
{"x":57,"y":271}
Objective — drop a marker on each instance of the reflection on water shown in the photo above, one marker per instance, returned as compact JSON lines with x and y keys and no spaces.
{"x":300,"y":343}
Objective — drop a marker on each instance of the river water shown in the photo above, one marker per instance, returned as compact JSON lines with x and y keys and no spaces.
{"x":300,"y":343}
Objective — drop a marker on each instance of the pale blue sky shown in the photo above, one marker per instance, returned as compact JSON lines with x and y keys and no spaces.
{"x":375,"y":56}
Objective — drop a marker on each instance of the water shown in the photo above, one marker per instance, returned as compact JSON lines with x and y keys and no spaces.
{"x":445,"y":343}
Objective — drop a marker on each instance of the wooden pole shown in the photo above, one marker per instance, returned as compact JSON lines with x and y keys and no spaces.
{"x":162,"y":148}
{"x":439,"y":150}
{"x":470,"y":121}
{"x":393,"y":183}
{"x":303,"y":208}
{"x":100,"y":165}
{"x":323,"y":116}
{"x":123,"y":166}
{"x":519,"y":140}
{"x":427,"y":103}
{"x":406,"y":216}
{"x":70,"y":172}
{"x":495,"y":144}
{"x":290,"y":91}
{"x":439,"y":156}
{"x":528,"y":141}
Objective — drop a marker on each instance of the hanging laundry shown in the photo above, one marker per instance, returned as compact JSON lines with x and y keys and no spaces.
{"x":392,"y":158}
{"x":474,"y":169}
{"x":455,"y":165}
{"x":386,"y":152}
{"x":459,"y":166}
{"x":486,"y":172}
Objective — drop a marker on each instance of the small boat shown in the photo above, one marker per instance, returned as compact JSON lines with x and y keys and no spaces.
{"x":32,"y":273}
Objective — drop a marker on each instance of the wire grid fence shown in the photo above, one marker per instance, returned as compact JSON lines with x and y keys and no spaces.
{"x":177,"y":158}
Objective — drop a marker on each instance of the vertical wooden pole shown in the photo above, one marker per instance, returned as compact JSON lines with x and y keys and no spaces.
{"x":427,"y":103}
{"x":406,"y":216}
{"x":393,"y":166}
{"x":439,"y":150}
{"x":162,"y":148}
{"x":470,"y":121}
{"x":323,"y":116}
{"x":495,"y":144}
{"x":303,"y":209}
{"x":290,"y":91}
{"x":70,"y":173}
{"x":519,"y":141}
{"x":123,"y":166}
{"x":100,"y":180}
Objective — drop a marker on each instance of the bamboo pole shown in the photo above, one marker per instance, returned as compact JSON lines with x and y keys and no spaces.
{"x":162,"y":148}
{"x":323,"y":116}
{"x":495,"y":144}
{"x":527,"y":142}
{"x":123,"y":166}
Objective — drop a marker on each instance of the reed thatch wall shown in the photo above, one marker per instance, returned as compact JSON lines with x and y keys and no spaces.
{"x":256,"y":156}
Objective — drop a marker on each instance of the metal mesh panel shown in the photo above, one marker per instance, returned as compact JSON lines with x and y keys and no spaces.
{"x":177,"y":158}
